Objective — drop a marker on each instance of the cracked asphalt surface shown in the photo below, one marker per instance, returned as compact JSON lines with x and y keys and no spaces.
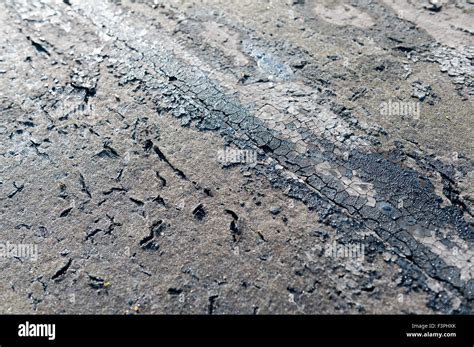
{"x":114,"y":117}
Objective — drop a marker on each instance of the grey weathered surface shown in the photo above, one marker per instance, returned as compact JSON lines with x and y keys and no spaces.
{"x":113,"y":115}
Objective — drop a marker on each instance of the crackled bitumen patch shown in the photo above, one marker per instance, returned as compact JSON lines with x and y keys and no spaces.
{"x":310,"y":145}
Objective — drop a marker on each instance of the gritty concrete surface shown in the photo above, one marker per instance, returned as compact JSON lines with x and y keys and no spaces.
{"x":249,"y":157}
